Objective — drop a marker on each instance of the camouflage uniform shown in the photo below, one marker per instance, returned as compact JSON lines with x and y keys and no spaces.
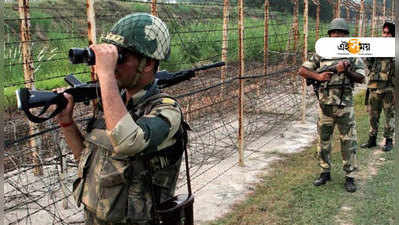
{"x":336,"y":108}
{"x":380,"y":84}
{"x":113,"y":174}
{"x":123,"y":172}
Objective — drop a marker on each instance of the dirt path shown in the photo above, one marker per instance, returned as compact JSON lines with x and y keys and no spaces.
{"x":216,"y":196}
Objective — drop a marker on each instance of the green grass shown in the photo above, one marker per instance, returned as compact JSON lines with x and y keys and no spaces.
{"x":376,"y":205}
{"x":287,"y":195}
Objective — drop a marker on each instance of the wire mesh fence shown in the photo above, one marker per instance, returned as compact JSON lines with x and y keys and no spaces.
{"x":201,"y":33}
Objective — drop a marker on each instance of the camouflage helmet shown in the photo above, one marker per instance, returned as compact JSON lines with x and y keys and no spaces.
{"x":338,"y":24}
{"x":391,"y":27}
{"x":143,"y":33}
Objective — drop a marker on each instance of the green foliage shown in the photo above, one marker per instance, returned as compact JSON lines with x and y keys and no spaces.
{"x":287,"y":6}
{"x":193,"y":41}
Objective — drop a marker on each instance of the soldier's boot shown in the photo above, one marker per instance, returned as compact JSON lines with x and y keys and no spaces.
{"x":372,"y":142}
{"x":388,"y":145}
{"x":324,"y":177}
{"x":350,"y":185}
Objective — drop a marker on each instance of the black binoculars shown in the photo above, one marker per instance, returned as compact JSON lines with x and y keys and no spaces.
{"x":86,"y":55}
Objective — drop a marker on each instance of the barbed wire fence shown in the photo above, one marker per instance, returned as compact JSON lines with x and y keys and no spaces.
{"x":255,"y":94}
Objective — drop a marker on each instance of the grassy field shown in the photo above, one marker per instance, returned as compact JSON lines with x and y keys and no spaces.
{"x":287,"y":195}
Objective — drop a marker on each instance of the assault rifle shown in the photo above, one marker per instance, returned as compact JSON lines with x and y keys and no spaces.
{"x":316,"y":83}
{"x":84,"y":92}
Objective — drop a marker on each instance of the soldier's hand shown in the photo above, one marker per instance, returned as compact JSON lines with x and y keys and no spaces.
{"x":325,"y":76}
{"x":106,"y":59}
{"x":342,"y":66}
{"x":66,"y":115}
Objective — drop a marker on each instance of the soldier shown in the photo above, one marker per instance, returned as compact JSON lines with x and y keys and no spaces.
{"x":336,"y":106}
{"x":130,"y":158}
{"x":380,"y":87}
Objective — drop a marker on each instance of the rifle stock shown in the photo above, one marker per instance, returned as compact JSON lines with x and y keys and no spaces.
{"x":84,"y":92}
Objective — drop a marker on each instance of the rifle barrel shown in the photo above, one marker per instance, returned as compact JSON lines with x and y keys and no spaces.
{"x":218,"y":64}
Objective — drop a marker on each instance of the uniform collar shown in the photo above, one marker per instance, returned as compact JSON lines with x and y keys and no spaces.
{"x":141,"y":95}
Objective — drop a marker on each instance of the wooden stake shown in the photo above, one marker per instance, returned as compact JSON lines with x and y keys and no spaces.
{"x":266,"y":39}
{"x":393,"y":10}
{"x":241,"y":83}
{"x":384,"y":8}
{"x":361,"y":19}
{"x":34,"y":143}
{"x":338,"y":9}
{"x":296,"y":30}
{"x":225,"y":42}
{"x":305,"y":54}
{"x":318,"y":22}
{"x":91,"y":36}
{"x":374,"y":19}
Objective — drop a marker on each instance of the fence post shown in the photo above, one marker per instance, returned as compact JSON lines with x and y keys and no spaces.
{"x":241,"y":83}
{"x":348,"y":14}
{"x":361,"y":19}
{"x":338,"y":9}
{"x":365,"y":22}
{"x":374,"y":19}
{"x":225,"y":42}
{"x":305,"y":54}
{"x":357,"y":25}
{"x":296,"y":30}
{"x":318,"y":21}
{"x":266,"y":38}
{"x":34,"y":143}
{"x":393,"y":10}
{"x":91,"y":35}
{"x":384,"y":7}
{"x":293,"y":31}
{"x":154,"y":10}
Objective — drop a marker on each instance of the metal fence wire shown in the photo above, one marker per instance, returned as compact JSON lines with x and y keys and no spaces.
{"x":39,"y":167}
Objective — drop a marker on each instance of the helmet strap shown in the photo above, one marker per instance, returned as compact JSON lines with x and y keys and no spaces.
{"x":139,"y":72}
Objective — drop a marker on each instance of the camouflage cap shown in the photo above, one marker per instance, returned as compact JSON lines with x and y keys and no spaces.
{"x":143,"y":33}
{"x":338,"y":24}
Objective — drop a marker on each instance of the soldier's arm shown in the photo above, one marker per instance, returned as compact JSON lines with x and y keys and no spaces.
{"x":74,"y":139}
{"x":154,"y":129}
{"x":308,"y":74}
{"x":72,"y":134}
{"x":308,"y":68}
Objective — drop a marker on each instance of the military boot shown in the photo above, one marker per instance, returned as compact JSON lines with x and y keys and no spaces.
{"x":324,"y":177}
{"x":388,"y":145}
{"x":372,"y":142}
{"x":350,"y":185}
